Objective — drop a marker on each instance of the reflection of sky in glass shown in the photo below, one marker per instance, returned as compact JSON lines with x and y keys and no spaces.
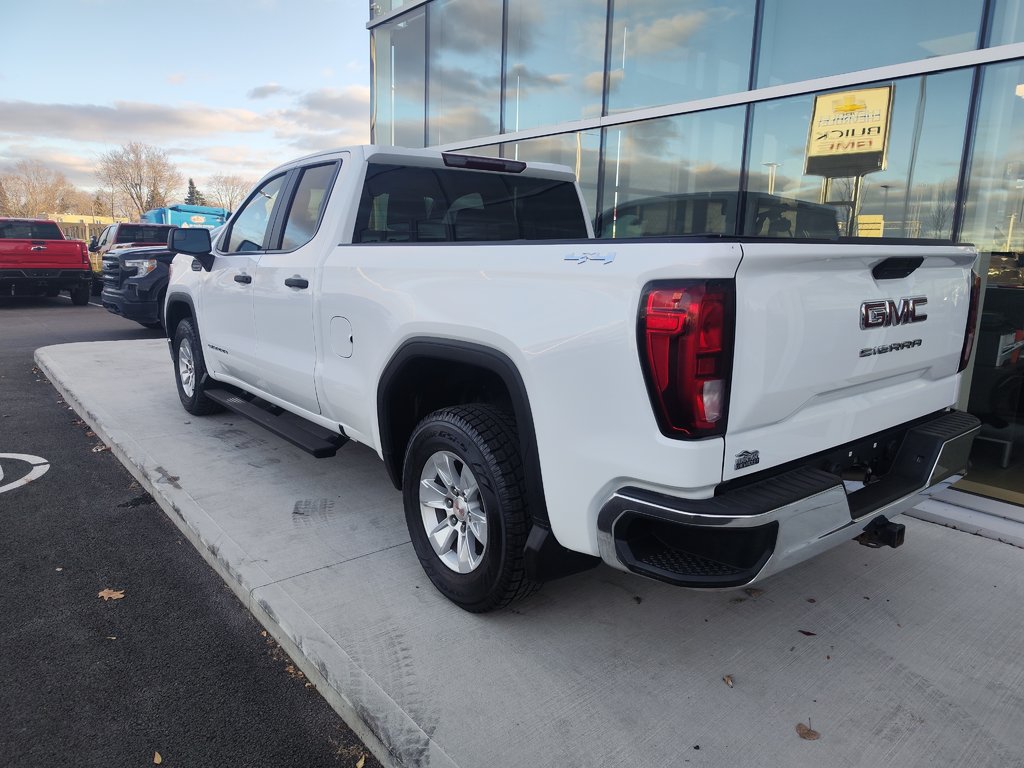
{"x":555,"y":67}
{"x":928,"y":167}
{"x":381,"y":7}
{"x":579,"y":151}
{"x":1007,"y":22}
{"x":802,"y":39}
{"x":673,"y":155}
{"x":399,"y":50}
{"x":666,"y":51}
{"x":465,"y":69}
{"x":995,"y":192}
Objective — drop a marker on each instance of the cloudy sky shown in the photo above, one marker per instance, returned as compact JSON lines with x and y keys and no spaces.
{"x":224,"y":86}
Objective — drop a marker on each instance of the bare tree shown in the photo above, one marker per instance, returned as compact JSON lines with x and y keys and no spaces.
{"x":228,"y":191}
{"x":142,"y":173}
{"x":36,"y":190}
{"x":939,"y":217}
{"x":5,"y":203}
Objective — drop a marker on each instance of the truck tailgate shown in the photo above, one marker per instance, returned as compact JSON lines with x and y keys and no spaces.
{"x":808,"y":375}
{"x":40,"y":254}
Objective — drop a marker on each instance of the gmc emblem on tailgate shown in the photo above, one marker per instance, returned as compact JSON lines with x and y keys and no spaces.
{"x":886,"y":313}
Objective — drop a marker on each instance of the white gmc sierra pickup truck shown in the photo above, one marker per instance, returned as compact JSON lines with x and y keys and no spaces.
{"x":705,"y":411}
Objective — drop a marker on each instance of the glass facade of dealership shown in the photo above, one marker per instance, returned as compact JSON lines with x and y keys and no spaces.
{"x":781,"y":118}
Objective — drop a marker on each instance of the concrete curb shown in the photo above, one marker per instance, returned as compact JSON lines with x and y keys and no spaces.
{"x":388,"y":732}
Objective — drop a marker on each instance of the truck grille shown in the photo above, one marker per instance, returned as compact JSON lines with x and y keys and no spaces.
{"x":112,"y":273}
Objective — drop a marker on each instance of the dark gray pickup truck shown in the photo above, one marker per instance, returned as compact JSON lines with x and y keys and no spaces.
{"x":135,"y":283}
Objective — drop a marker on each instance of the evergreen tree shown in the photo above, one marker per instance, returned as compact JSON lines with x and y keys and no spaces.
{"x":194,"y":196}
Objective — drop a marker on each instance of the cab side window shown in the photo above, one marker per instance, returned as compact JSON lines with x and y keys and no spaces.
{"x":307,"y":206}
{"x":250,"y":228}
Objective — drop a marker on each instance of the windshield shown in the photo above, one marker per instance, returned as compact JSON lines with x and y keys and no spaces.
{"x":21,"y":229}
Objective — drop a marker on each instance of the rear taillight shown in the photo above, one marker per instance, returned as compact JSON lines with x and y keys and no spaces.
{"x":85,"y":253}
{"x":972,"y":321}
{"x":686,"y":343}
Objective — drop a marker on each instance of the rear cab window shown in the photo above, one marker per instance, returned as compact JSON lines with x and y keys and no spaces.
{"x":29,"y":230}
{"x":411,"y":204}
{"x":143,"y":233}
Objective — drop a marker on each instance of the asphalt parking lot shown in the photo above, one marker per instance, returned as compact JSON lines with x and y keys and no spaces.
{"x":908,"y":657}
{"x":176,"y":666}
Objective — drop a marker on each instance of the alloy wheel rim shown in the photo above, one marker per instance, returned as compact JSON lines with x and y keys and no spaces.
{"x":452,"y":512}
{"x":186,"y":368}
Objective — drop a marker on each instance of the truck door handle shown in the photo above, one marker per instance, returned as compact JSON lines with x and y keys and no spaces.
{"x":38,"y":247}
{"x":297,"y":282}
{"x":243,"y":279}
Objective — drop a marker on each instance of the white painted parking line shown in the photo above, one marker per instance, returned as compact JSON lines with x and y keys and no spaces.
{"x":68,"y":298}
{"x":39,"y":468}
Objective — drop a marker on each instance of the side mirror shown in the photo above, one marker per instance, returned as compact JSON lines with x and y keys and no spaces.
{"x":94,"y":244}
{"x":194,"y":242}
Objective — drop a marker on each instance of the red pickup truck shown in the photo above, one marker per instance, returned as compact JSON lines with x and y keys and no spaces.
{"x":36,"y":260}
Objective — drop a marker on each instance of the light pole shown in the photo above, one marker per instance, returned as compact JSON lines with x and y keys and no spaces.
{"x":771,"y":176}
{"x":885,"y":204}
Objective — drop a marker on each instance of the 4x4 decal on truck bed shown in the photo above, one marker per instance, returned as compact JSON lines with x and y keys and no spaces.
{"x":746,"y":459}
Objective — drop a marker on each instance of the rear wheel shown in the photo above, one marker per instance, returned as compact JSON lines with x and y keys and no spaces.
{"x":80,"y":295}
{"x":190,"y":371}
{"x":466,"y":506}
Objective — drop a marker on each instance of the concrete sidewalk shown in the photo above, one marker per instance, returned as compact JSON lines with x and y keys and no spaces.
{"x":909,"y":657}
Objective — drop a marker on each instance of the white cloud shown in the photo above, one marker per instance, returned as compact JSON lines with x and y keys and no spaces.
{"x":201,"y":140}
{"x":268,"y":90}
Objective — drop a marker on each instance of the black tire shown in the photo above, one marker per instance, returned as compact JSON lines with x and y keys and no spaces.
{"x":80,"y":295}
{"x":192,"y":392}
{"x":483,"y":440}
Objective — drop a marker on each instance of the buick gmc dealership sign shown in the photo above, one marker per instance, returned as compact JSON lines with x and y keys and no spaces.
{"x":849,"y":132}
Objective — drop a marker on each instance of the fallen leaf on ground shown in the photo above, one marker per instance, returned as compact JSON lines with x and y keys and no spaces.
{"x":362,"y":762}
{"x":806,"y":732}
{"x":157,"y":759}
{"x":60,"y":569}
{"x":754,"y":591}
{"x":727,"y":680}
{"x":100,"y":448}
{"x":111,"y":594}
{"x":90,"y":433}
{"x":808,"y":634}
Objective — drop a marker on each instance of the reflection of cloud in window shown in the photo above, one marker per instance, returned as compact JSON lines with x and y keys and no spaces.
{"x":524,"y":76}
{"x":666,"y":35}
{"x":594,"y":82}
{"x":475,"y":27}
{"x":465,"y":83}
{"x":461,"y":123}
